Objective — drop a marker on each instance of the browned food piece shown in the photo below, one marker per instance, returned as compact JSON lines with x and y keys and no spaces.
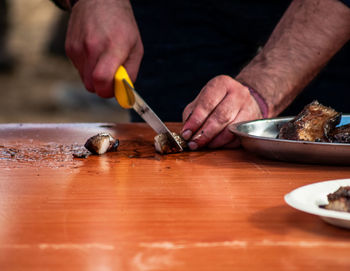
{"x":339,"y":200}
{"x":162,"y":145}
{"x":313,"y":123}
{"x":81,"y":154}
{"x":101,"y":143}
{"x":340,"y":134}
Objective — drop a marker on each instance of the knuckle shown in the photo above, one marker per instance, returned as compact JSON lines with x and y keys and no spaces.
{"x":196,"y":120}
{"x":208,"y":106}
{"x":90,"y":45}
{"x":223,"y":116}
{"x":221,"y":80}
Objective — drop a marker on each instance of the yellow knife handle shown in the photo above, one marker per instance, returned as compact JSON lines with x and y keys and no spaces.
{"x":124,"y":97}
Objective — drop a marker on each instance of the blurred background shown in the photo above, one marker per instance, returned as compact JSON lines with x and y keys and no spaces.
{"x":37,"y":81}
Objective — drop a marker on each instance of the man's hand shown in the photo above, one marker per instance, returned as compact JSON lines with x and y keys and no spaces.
{"x":101,"y":36}
{"x":307,"y":36}
{"x":222,"y":101}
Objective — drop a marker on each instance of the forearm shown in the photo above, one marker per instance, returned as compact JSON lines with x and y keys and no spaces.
{"x":305,"y":39}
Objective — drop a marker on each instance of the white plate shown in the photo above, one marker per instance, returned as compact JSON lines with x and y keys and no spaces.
{"x":308,"y":198}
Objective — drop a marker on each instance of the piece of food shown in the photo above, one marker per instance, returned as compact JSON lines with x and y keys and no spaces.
{"x":163,"y":146}
{"x":101,"y":143}
{"x":339,"y":200}
{"x":340,"y":134}
{"x":81,"y":154}
{"x":313,"y":123}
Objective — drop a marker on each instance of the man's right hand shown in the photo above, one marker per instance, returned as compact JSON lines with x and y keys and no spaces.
{"x":101,"y":36}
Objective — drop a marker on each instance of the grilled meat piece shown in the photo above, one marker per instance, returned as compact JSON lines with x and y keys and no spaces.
{"x":313,"y":123}
{"x":340,"y":134}
{"x":101,"y":143}
{"x":339,"y":200}
{"x":81,"y":154}
{"x":162,"y":145}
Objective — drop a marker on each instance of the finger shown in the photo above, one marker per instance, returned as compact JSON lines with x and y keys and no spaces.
{"x":233,"y":144}
{"x":207,"y":100}
{"x":75,"y":52}
{"x":89,"y":65}
{"x":132,"y":63}
{"x":226,"y":138}
{"x":73,"y":46}
{"x":93,"y":48}
{"x":86,"y":62}
{"x":222,"y":139}
{"x":103,"y":75}
{"x":87,"y":78}
{"x":79,"y":64}
{"x":187,"y":112}
{"x":223,"y":114}
{"x":186,"y":133}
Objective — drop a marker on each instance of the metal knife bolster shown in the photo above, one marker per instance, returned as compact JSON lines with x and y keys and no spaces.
{"x":141,"y":107}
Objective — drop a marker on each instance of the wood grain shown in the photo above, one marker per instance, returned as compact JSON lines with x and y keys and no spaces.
{"x":136,"y":210}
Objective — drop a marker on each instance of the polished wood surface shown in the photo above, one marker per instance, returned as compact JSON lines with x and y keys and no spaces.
{"x":137,"y":210}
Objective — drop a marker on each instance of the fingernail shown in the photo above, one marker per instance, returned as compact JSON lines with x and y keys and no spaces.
{"x":187,"y":134}
{"x":193,"y":145}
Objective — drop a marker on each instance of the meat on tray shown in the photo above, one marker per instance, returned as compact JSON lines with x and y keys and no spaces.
{"x":317,"y":123}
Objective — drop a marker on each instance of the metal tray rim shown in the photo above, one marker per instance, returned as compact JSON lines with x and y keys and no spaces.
{"x":234,"y":128}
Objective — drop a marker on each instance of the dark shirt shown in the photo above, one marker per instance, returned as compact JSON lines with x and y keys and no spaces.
{"x":187,"y":43}
{"x":346,"y":2}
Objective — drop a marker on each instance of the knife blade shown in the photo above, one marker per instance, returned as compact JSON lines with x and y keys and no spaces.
{"x":128,"y":97}
{"x":145,"y":112}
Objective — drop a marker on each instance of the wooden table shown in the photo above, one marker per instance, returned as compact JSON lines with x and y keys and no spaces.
{"x":136,"y":210}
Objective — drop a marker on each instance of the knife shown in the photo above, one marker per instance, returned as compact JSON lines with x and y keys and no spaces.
{"x":127,"y":97}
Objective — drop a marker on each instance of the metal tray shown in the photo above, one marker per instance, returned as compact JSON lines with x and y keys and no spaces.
{"x":259,"y":137}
